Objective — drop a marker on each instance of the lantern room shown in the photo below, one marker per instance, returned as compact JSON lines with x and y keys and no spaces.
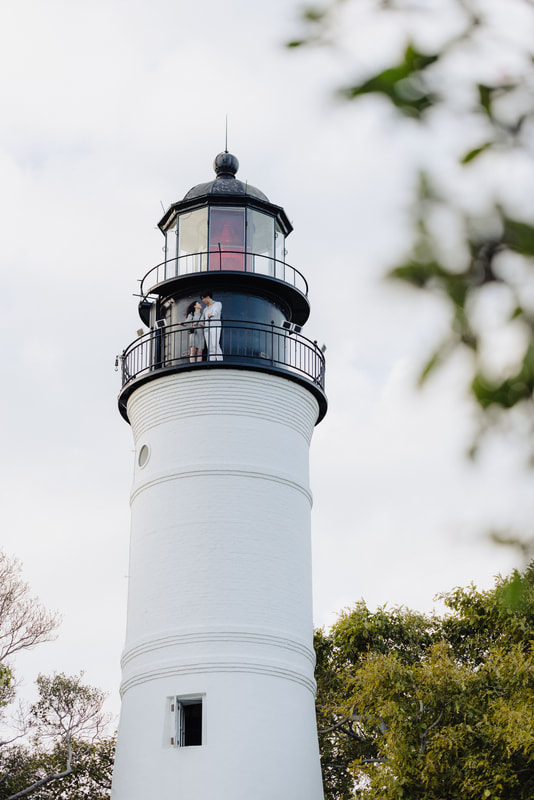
{"x":224,"y":225}
{"x":218,"y":237}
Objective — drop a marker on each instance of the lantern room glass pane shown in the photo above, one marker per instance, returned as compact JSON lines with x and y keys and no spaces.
{"x":260,"y":242}
{"x":227,"y":239}
{"x":280,"y":252}
{"x":193,"y":241}
{"x":171,"y":245}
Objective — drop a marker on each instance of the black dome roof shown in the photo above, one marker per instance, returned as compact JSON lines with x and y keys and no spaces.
{"x":225,"y":166}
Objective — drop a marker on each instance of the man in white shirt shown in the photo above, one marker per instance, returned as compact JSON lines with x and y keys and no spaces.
{"x":211,"y":318}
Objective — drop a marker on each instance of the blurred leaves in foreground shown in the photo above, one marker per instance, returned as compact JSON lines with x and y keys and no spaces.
{"x":457,"y":77}
{"x":492,"y":230}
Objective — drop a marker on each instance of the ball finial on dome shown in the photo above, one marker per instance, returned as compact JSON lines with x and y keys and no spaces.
{"x":225,"y":165}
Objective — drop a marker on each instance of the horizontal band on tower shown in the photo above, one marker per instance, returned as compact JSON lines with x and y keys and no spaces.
{"x":229,"y":392}
{"x":222,"y":472}
{"x":241,"y":637}
{"x":242,"y":667}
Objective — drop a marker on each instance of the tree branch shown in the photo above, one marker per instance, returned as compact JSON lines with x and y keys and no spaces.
{"x":423,"y":736}
{"x":345,"y":726}
{"x":335,"y":727}
{"x":38,"y":784}
{"x":48,"y":778}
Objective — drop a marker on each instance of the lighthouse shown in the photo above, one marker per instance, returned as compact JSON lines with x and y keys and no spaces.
{"x":222,"y":390}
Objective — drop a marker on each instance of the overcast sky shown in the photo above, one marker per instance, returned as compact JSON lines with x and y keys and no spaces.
{"x":113,"y":108}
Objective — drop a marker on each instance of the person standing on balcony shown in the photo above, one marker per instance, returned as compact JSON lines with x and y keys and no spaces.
{"x":211,"y":319}
{"x":196,"y":335}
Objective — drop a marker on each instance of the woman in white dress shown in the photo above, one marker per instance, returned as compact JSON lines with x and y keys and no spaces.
{"x":196,"y":334}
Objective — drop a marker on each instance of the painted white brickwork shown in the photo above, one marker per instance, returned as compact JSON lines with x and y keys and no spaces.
{"x":220,"y":601}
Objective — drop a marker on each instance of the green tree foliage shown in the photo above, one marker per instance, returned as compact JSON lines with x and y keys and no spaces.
{"x":55,"y":749}
{"x":90,"y":778}
{"x":68,"y":707}
{"x":419,"y":706}
{"x":69,"y":757}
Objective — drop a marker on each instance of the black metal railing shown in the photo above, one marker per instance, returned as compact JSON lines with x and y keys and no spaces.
{"x":230,"y":342}
{"x":223,"y":260}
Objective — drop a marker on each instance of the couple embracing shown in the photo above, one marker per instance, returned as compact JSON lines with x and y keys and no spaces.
{"x":205,"y":327}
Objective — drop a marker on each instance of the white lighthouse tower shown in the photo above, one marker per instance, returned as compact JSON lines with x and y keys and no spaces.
{"x":222,"y":395}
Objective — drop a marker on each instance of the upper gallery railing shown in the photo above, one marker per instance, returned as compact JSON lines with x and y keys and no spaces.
{"x":227,"y":260}
{"x":238,"y":342}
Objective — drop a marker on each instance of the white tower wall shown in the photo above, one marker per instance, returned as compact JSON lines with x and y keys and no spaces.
{"x":219,"y":602}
